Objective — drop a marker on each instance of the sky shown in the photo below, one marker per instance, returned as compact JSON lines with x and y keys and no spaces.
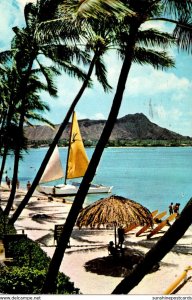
{"x":163,"y":96}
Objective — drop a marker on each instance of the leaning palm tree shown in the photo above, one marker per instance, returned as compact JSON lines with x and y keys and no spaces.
{"x":148,"y":10}
{"x":98,"y":41}
{"x":26,"y":50}
{"x":175,"y":11}
{"x":33,"y":104}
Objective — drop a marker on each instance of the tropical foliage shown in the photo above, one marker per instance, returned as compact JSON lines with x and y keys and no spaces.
{"x":98,"y":25}
{"x":148,"y":10}
{"x":27,"y":272}
{"x":26,"y":53}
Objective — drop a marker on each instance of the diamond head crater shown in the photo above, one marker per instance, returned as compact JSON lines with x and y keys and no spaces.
{"x":130,"y":130}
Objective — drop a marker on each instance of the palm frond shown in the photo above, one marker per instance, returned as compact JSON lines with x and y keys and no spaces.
{"x":62,"y":56}
{"x":183,"y":34}
{"x":73,"y":70}
{"x":30,"y":13}
{"x":48,"y":76}
{"x":58,"y":28}
{"x":93,"y":8}
{"x":155,"y":38}
{"x":36,"y":117}
{"x":65,"y":52}
{"x":6,"y":56}
{"x":101,"y":74}
{"x":177,"y":8}
{"x":47,"y":9}
{"x":158,"y":59}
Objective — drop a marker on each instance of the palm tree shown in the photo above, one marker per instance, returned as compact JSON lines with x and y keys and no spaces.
{"x":9,"y":84}
{"x":26,"y":49}
{"x":178,"y":11}
{"x":147,"y":11}
{"x":97,"y":40}
{"x":32,"y":107}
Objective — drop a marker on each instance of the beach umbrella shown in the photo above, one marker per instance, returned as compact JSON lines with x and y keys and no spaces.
{"x":112,"y":212}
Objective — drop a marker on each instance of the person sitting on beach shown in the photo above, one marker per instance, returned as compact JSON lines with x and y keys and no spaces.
{"x":111,"y":249}
{"x":157,"y":220}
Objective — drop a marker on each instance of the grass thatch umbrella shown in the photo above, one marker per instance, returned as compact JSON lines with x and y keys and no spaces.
{"x":112,"y":212}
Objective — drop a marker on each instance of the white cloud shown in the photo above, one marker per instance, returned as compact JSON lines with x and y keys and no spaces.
{"x":7,"y":21}
{"x":159,"y":25}
{"x":156,"y":82}
{"x":163,"y":113}
{"x":98,"y":116}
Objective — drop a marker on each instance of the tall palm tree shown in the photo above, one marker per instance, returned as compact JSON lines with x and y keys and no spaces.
{"x":32,"y":107}
{"x":144,"y":12}
{"x":10,"y":84}
{"x":96,"y":40}
{"x":26,"y":49}
{"x":178,"y":12}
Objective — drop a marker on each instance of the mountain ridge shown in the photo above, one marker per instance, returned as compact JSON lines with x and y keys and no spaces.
{"x":130,"y":127}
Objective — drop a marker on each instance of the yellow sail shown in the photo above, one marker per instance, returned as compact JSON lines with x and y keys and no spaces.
{"x":77,"y":158}
{"x":53,"y":170}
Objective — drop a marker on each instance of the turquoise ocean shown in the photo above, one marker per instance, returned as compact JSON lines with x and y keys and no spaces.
{"x":152,"y":176}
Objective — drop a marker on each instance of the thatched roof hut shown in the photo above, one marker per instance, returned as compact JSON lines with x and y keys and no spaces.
{"x":114,"y":210}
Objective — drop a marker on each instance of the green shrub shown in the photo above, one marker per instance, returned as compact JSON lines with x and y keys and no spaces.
{"x":28,"y":271}
{"x":25,"y":252}
{"x":4,"y":227}
{"x":25,"y":280}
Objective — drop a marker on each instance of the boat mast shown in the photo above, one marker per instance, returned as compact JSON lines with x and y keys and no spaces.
{"x":66,"y":171}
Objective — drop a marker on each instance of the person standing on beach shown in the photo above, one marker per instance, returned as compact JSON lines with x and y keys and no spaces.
{"x":171,"y":208}
{"x":18,"y":183}
{"x":121,"y":238}
{"x":28,"y":185}
{"x":176,"y":208}
{"x":8,"y":181}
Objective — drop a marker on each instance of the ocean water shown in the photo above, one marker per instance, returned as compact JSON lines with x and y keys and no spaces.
{"x":151,"y":176}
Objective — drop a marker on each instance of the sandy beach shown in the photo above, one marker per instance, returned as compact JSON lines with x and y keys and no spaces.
{"x":89,"y":244}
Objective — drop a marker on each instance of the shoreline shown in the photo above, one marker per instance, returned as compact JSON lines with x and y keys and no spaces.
{"x":88,"y":244}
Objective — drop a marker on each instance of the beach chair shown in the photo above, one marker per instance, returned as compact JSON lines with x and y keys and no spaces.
{"x":161,"y":225}
{"x":156,"y":220}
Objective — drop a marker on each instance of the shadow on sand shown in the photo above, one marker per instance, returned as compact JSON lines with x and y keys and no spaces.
{"x":116,"y":266}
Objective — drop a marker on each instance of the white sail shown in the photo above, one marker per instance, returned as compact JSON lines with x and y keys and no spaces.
{"x":53,"y":170}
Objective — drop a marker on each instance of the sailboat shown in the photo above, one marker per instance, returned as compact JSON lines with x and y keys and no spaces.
{"x":76,"y":166}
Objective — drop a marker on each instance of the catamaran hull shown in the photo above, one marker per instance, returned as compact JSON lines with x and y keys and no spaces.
{"x":71,"y":189}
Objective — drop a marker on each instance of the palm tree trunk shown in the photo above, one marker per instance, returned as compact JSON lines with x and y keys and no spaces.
{"x":50,"y":282}
{"x":16,"y":166}
{"x":2,"y":122}
{"x":52,"y":146}
{"x":3,"y":162}
{"x":157,"y":252}
{"x":22,"y":92}
{"x":3,"y":147}
{"x":6,"y":147}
